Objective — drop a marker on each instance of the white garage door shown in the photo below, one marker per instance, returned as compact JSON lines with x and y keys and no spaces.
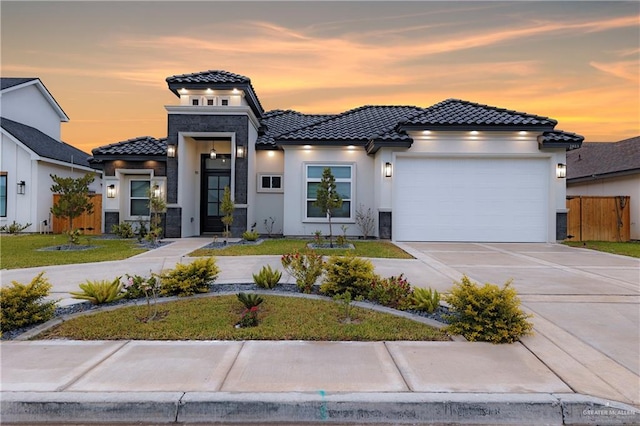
{"x":470,"y":199}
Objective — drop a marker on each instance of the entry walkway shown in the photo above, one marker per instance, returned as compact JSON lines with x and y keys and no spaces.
{"x":581,"y":365}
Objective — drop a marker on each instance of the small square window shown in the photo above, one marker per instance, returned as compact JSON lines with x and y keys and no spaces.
{"x":225,"y":102}
{"x":195,"y":102}
{"x":270,"y":183}
{"x":209,"y":101}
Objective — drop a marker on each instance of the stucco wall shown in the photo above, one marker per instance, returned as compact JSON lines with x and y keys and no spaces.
{"x":294,"y":202}
{"x":624,"y":185}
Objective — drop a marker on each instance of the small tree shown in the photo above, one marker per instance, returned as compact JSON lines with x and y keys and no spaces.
{"x":327,"y":197}
{"x":157,"y":205}
{"x":227,"y":207}
{"x":74,"y":199}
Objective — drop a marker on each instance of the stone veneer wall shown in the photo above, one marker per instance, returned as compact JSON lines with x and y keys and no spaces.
{"x":561,"y":226}
{"x":187,"y":123}
{"x":384,"y":225}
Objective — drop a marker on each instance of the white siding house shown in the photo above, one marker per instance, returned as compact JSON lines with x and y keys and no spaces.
{"x":31,"y":151}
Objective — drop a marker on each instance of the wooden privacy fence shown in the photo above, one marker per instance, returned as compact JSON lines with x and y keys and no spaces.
{"x":598,"y":218}
{"x":89,"y":224}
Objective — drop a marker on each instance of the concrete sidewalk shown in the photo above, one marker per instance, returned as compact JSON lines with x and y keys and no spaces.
{"x":580,"y":367}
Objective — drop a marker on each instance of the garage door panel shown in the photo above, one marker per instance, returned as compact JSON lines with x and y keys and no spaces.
{"x":470,"y":199}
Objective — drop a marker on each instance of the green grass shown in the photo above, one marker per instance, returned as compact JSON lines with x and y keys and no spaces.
{"x":631,"y":248}
{"x":214,"y":318}
{"x":21,"y":251}
{"x":280,"y":246}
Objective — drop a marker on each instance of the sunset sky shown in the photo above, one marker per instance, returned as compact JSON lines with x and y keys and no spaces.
{"x":106,"y":62}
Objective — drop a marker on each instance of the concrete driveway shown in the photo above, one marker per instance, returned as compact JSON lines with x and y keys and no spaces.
{"x":586,"y":305}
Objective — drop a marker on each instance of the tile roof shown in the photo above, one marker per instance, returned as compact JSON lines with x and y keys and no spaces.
{"x":44,"y":145}
{"x":142,"y":145}
{"x":457,"y":113}
{"x":604,"y":158}
{"x":6,"y":82}
{"x":279,"y":122}
{"x":210,"y":76}
{"x":560,"y":139}
{"x":358,"y":125}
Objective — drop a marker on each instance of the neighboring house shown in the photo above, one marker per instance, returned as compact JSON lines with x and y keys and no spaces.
{"x":608,"y":169}
{"x":31,"y":150}
{"x":456,"y":171}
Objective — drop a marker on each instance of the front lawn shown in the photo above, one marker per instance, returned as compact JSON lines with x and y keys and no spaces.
{"x":21,"y":250}
{"x":280,"y":246}
{"x":631,"y":248}
{"x":214,"y":318}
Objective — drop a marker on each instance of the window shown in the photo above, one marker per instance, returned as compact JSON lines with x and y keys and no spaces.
{"x":3,"y":194}
{"x":344,"y":185}
{"x":209,"y":101}
{"x":195,"y":102}
{"x":224,"y":101}
{"x":139,"y":197}
{"x":269,"y":183}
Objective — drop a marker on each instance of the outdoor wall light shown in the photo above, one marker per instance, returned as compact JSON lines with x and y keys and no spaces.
{"x":240,"y":152}
{"x":21,"y":187}
{"x":111,"y":191}
{"x":156,"y":190}
{"x":561,"y":171}
{"x":387,"y":169}
{"x":213,"y":154}
{"x":171,"y":151}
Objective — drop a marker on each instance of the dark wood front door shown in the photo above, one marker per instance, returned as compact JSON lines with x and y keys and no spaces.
{"x":216,"y":175}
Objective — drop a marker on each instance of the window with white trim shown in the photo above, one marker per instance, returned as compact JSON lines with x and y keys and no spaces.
{"x":139,"y":197}
{"x":3,"y":194}
{"x":270,"y":183}
{"x":343,"y":173}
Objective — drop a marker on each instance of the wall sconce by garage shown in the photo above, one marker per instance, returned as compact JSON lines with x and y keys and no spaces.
{"x":240,"y":152}
{"x":387,"y":169}
{"x":561,"y":171}
{"x":171,"y":151}
{"x":111,"y":191}
{"x":156,"y":190}
{"x":21,"y":187}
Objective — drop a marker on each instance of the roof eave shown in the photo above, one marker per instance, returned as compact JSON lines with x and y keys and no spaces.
{"x":470,"y":127}
{"x":600,"y":176}
{"x":137,"y":157}
{"x":568,"y":146}
{"x":252,"y":98}
{"x":321,"y":142}
{"x":374,"y":145}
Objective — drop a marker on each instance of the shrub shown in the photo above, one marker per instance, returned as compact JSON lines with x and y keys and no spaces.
{"x":394,"y":292}
{"x":267,"y":277}
{"x":14,"y":228}
{"x":23,"y":305}
{"x":250,"y":300}
{"x":425,"y":299}
{"x":250,"y":235}
{"x":305,"y":267}
{"x":136,"y":286}
{"x":123,"y":230}
{"x":488,"y":313}
{"x":189,"y":279}
{"x":348,"y":273}
{"x":99,"y":292}
{"x":251,"y":303}
{"x":365,"y":221}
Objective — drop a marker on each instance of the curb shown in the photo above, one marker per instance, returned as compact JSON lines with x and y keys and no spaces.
{"x":311,"y":408}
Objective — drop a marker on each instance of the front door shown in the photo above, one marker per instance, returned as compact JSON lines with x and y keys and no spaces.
{"x":216,"y":175}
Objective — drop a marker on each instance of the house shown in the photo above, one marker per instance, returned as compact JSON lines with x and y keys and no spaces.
{"x":31,"y":151}
{"x":608,"y":169}
{"x":455,"y":171}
